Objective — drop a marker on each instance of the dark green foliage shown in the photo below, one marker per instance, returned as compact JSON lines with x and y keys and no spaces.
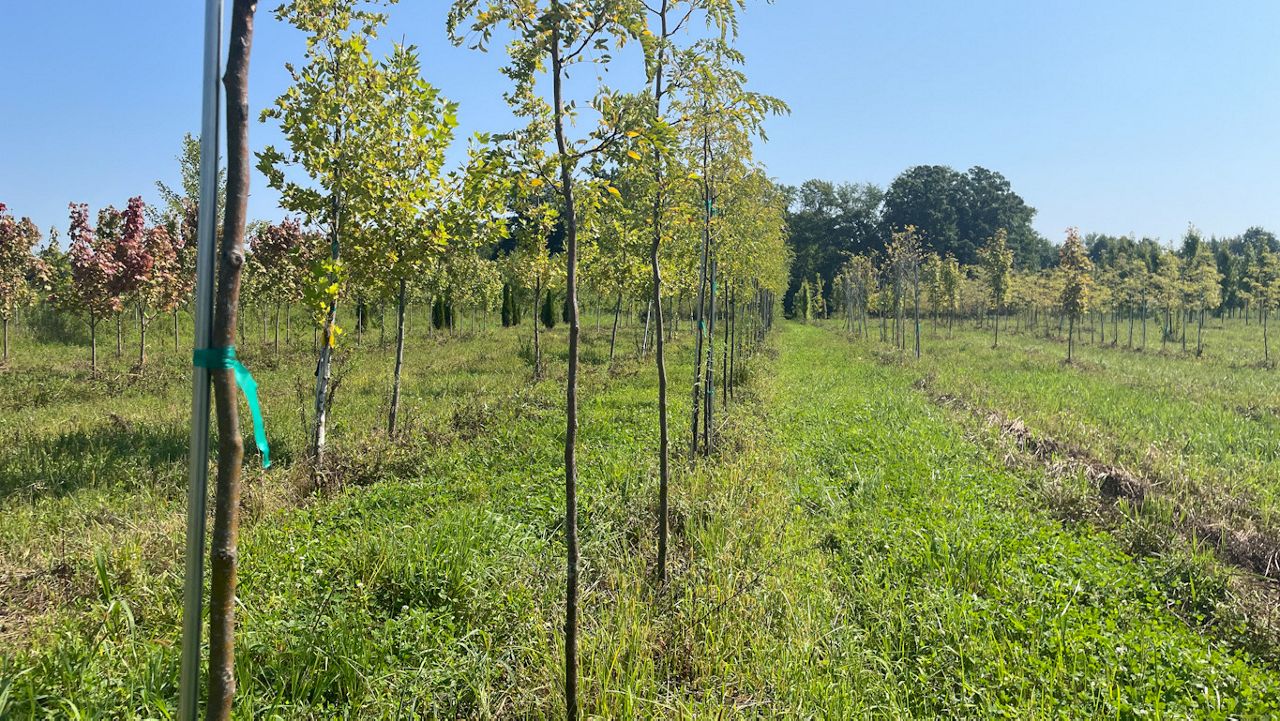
{"x":548,"y":310}
{"x":442,"y":314}
{"x":955,"y":213}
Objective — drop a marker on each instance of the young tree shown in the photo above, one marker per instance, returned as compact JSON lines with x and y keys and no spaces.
{"x":1204,"y":289}
{"x":951,"y":279}
{"x":405,"y":197}
{"x":163,"y":288}
{"x":1075,"y":267}
{"x":804,"y":301}
{"x":1265,"y":287}
{"x":278,"y":267}
{"x":997,"y":261}
{"x":17,"y":265}
{"x":554,"y":36}
{"x":226,"y":518}
{"x":327,"y":117}
{"x":93,"y":272}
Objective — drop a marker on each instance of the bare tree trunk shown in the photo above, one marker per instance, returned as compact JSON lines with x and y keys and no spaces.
{"x":664,"y":474}
{"x":395,"y":382}
{"x":5,"y":358}
{"x":700,"y":308}
{"x":613,"y":337}
{"x":648,"y":320}
{"x":142,"y":336}
{"x":1071,"y":337}
{"x":710,"y":386}
{"x":537,"y":320}
{"x":324,"y":367}
{"x":93,"y":343}
{"x":119,"y":334}
{"x":175,"y":329}
{"x":571,"y":385}
{"x":226,"y":520}
{"x":276,"y":331}
{"x":724,"y":355}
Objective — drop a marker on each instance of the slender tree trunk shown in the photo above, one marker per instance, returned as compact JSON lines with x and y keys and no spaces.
{"x":93,"y":343}
{"x":915,"y":284}
{"x":571,"y":386}
{"x":324,"y":367}
{"x":395,"y":382}
{"x":1200,"y":335}
{"x":142,"y":336}
{"x":119,"y":335}
{"x":724,"y":355}
{"x":613,"y":336}
{"x":276,"y":331}
{"x":537,"y":320}
{"x":710,"y":386}
{"x":664,"y":474}
{"x":700,"y":307}
{"x":648,"y":320}
{"x":175,"y":329}
{"x":1071,"y":337}
{"x":1266,"y":347}
{"x":6,"y":341}
{"x":226,"y":519}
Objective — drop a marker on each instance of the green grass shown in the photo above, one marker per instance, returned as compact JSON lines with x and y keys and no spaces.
{"x":1203,"y":429}
{"x":852,"y":552}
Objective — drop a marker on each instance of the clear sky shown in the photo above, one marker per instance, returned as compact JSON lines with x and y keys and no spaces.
{"x":1133,"y":116}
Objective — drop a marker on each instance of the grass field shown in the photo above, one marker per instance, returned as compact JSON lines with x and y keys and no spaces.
{"x":858,"y":549}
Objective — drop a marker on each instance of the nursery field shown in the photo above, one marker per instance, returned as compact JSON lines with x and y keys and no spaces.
{"x":867,"y":542}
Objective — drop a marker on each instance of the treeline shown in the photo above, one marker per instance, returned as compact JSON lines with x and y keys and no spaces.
{"x":1114,"y":289}
{"x":954,"y":214}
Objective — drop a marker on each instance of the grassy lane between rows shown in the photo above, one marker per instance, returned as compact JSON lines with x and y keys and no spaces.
{"x":849,"y":554}
{"x":955,"y":594}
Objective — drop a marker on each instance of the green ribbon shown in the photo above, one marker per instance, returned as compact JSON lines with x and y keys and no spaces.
{"x":225,"y":359}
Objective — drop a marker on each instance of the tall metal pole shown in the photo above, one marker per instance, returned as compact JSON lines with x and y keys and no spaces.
{"x":193,"y":581}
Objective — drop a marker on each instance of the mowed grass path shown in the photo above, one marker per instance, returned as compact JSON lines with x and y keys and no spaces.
{"x":955,"y":594}
{"x":848,"y":555}
{"x":1203,"y":429}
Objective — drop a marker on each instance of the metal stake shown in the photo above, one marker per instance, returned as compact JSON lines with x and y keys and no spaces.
{"x":193,"y":581}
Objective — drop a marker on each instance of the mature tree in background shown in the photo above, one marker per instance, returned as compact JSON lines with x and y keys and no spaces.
{"x":17,"y":267}
{"x":1074,"y":265}
{"x":957,"y":212}
{"x":829,"y":223}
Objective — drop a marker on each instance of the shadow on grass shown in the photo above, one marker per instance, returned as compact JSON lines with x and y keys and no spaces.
{"x":116,"y":452}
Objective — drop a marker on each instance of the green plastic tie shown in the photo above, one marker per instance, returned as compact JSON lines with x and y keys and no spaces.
{"x":222,"y":359}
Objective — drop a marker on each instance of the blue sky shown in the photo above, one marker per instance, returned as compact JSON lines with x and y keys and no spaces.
{"x":1136,"y":116}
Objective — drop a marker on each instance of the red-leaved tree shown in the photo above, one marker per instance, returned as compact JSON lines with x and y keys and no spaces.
{"x":93,"y":274}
